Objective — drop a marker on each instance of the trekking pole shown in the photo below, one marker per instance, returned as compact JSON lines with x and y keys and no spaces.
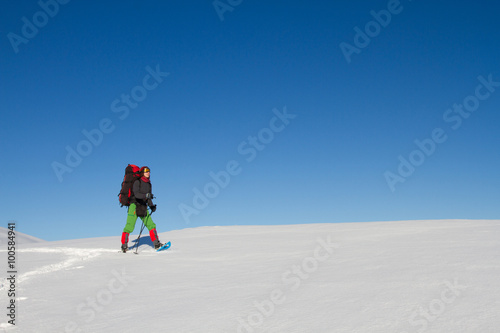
{"x":138,"y":238}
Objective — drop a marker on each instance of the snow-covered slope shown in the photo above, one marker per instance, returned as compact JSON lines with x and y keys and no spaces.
{"x":407,"y":276}
{"x":21,"y":238}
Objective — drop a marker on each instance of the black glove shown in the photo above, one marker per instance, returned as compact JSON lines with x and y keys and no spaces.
{"x":149,"y":196}
{"x":153,"y":208}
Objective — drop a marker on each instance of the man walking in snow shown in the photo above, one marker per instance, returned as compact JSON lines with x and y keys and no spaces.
{"x":141,"y":198}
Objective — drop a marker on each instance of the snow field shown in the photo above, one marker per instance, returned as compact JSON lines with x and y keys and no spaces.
{"x":405,"y":276}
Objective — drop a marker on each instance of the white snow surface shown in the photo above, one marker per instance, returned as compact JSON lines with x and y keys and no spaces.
{"x":404,"y":276}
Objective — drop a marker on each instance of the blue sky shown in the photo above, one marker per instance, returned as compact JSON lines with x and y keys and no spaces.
{"x":303,"y":112}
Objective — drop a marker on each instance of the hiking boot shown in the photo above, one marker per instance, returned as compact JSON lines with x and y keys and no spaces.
{"x":125,"y":241}
{"x":157,"y":244}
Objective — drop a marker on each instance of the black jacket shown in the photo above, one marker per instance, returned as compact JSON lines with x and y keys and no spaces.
{"x":140,"y":189}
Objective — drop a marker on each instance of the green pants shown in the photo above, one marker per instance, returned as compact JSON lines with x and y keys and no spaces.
{"x":132,"y":218}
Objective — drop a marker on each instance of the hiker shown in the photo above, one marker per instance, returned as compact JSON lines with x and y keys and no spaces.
{"x":140,"y":199}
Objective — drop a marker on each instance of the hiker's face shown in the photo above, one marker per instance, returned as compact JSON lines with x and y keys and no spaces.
{"x":146,"y":174}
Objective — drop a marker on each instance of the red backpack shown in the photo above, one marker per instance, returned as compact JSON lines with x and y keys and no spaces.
{"x":132,"y":172}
